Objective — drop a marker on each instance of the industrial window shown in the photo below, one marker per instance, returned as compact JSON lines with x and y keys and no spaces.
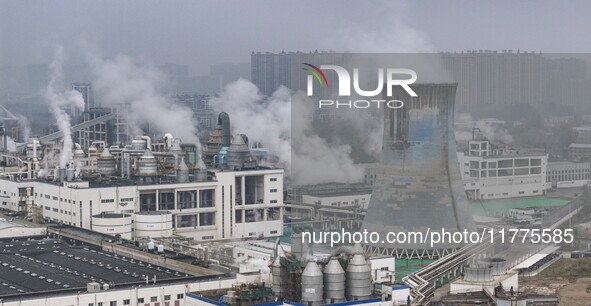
{"x":273,"y":214}
{"x":126,"y":302}
{"x":126,"y":200}
{"x":206,"y":198}
{"x":254,"y":215}
{"x":154,"y":299}
{"x":187,"y":199}
{"x":179,"y":296}
{"x":273,"y":232}
{"x":273,"y":190}
{"x":166,"y":200}
{"x":238,"y":216}
{"x":187,"y":221}
{"x":167,"y":297}
{"x":55,"y":198}
{"x":206,"y":219}
{"x":273,"y":201}
{"x":202,"y":238}
{"x":273,"y":179}
{"x":108,"y":201}
{"x":113,"y":303}
{"x":140,"y":300}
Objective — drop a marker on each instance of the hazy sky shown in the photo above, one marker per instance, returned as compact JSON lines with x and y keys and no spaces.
{"x":201,"y":33}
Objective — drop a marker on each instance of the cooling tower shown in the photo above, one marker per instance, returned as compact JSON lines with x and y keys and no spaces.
{"x":418,"y":187}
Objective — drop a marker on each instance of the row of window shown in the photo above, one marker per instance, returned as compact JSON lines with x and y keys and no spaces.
{"x":167,"y":297}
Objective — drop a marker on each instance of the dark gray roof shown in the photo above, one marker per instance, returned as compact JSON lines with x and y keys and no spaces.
{"x":34,"y":265}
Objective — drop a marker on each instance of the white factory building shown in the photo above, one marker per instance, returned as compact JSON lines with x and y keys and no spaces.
{"x":493,"y":174}
{"x":565,"y":174}
{"x":230,"y":205}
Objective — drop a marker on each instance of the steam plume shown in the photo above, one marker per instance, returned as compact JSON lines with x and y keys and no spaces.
{"x":126,"y":84}
{"x":60,"y":100}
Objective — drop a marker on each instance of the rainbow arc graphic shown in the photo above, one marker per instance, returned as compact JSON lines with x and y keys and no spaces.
{"x":317,"y":73}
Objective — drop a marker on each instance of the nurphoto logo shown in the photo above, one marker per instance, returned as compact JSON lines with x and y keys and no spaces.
{"x":393,"y":77}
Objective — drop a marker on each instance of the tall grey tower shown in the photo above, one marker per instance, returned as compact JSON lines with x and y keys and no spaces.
{"x":418,"y":185}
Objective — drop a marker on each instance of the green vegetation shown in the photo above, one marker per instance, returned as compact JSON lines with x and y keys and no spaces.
{"x":568,"y":267}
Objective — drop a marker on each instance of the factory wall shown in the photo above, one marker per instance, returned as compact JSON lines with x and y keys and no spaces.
{"x":353,"y":200}
{"x":484,"y":178}
{"x":221,"y":217}
{"x":152,"y":295}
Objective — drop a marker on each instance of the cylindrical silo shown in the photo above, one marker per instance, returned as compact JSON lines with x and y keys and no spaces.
{"x":497,"y":265}
{"x":113,"y":224}
{"x":334,"y":282}
{"x":312,"y":285}
{"x":153,"y":224}
{"x":106,"y":163}
{"x":147,"y":164}
{"x":358,"y":284}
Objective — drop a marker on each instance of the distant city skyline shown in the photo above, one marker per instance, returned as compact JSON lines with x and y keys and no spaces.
{"x":201,"y":33}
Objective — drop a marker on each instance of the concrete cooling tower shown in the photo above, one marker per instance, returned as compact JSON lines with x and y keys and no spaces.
{"x":418,"y":187}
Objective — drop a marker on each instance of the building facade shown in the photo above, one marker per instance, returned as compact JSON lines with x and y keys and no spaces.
{"x":566,"y":174}
{"x":489,"y":174}
{"x":233,"y":205}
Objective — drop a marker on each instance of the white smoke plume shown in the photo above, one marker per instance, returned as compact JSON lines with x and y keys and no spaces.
{"x":311,"y":158}
{"x":10,"y":145}
{"x":24,"y":122}
{"x":58,"y":100}
{"x":254,"y":264}
{"x":125,"y":83}
{"x":465,"y":123}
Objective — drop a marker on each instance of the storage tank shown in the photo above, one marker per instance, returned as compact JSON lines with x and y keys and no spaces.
{"x":496,"y":264}
{"x":358,"y":284}
{"x":138,"y":144}
{"x":147,"y":164}
{"x":200,"y":175}
{"x":113,"y":224}
{"x":151,"y":246}
{"x":238,"y":152}
{"x":312,"y":285}
{"x":334,"y":282}
{"x":182,"y":173}
{"x":478,"y":274}
{"x":106,"y":163}
{"x":153,"y":224}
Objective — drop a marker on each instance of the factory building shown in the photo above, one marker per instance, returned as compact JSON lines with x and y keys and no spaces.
{"x":579,"y":151}
{"x":490,"y":173}
{"x":565,"y":174}
{"x":148,"y":190}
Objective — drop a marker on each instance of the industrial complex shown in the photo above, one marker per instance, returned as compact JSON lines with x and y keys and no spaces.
{"x":108,"y":218}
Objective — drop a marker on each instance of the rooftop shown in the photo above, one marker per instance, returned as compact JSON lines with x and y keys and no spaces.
{"x":52,"y":265}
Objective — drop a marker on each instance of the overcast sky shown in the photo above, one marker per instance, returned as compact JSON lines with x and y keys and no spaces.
{"x":201,"y":33}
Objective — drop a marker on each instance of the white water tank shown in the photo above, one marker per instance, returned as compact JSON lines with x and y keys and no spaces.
{"x":153,"y":224}
{"x":113,"y":224}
